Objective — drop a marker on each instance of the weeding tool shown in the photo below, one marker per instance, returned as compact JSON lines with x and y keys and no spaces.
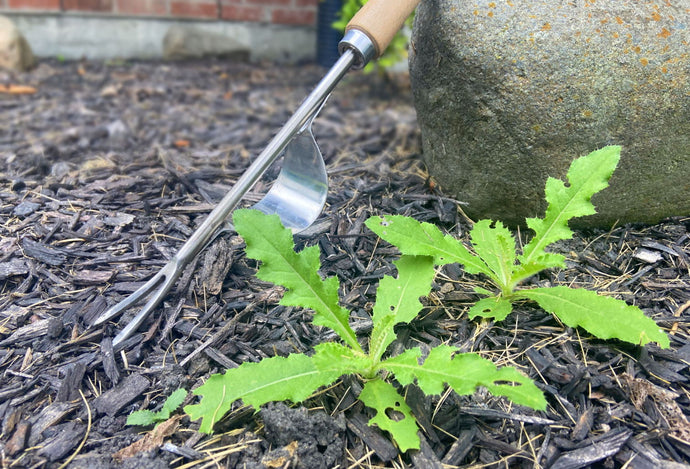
{"x":299,"y":192}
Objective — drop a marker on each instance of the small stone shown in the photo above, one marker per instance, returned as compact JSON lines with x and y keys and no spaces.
{"x":15,"y":51}
{"x":648,"y":256}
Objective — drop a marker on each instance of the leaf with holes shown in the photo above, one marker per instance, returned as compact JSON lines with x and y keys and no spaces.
{"x":392,"y":413}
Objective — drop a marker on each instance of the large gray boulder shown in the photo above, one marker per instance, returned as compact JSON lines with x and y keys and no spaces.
{"x":188,"y":42}
{"x":15,"y":51}
{"x":508,"y":93}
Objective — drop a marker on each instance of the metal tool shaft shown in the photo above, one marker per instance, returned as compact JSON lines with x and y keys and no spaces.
{"x":162,"y":282}
{"x":276,"y":146}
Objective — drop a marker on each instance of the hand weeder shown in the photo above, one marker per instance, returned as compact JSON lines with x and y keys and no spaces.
{"x":299,"y":193}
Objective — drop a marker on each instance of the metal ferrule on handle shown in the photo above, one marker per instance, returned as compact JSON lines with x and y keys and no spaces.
{"x":360,"y":44}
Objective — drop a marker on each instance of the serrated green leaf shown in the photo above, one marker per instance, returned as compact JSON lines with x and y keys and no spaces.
{"x":392,"y":413}
{"x":397,"y":299}
{"x":293,"y":378}
{"x":496,"y":307}
{"x":142,"y":418}
{"x":424,"y":239}
{"x":587,"y":176}
{"x":464,"y":372}
{"x":403,"y":365}
{"x":547,"y":260}
{"x":496,"y":246}
{"x":268,"y":241}
{"x":147,"y":417}
{"x":334,"y":357}
{"x":602,"y":316}
{"x":173,"y":401}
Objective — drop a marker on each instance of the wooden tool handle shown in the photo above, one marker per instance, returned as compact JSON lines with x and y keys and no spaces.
{"x":381,"y":19}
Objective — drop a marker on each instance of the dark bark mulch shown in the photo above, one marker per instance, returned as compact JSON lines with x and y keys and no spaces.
{"x":109,"y":167}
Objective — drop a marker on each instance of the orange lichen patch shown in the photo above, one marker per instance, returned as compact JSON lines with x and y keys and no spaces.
{"x":664,"y":70}
{"x":604,"y":21}
{"x":546,"y":27}
{"x":664,"y":33}
{"x":587,"y":113}
{"x":637,"y":49}
{"x":492,"y":5}
{"x":615,"y":35}
{"x":656,"y":16}
{"x":510,"y":4}
{"x":476,"y":12}
{"x":490,"y":14}
{"x":644,"y":61}
{"x":619,"y":20}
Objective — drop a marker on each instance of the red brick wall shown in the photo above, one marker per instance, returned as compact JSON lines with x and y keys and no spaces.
{"x":293,"y":12}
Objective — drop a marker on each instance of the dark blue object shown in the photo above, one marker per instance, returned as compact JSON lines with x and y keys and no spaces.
{"x":327,"y":37}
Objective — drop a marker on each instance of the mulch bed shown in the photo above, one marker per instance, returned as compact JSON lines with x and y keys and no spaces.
{"x":108,"y":167}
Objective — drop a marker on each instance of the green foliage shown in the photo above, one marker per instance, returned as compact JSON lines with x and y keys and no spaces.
{"x":146,"y":417}
{"x":397,"y":49}
{"x":495,"y":255}
{"x":297,"y":376}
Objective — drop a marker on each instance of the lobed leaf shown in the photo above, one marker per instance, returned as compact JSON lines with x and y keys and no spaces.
{"x":173,"y":401}
{"x":268,"y":241}
{"x":463,"y":372}
{"x":424,"y":239}
{"x":397,"y":299}
{"x":142,"y":418}
{"x":293,"y":378}
{"x":602,"y":316}
{"x":587,"y":176}
{"x":392,"y":413}
{"x":147,"y":417}
{"x":496,"y":247}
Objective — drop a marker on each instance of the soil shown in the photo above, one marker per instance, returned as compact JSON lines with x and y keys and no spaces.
{"x":106,"y":168}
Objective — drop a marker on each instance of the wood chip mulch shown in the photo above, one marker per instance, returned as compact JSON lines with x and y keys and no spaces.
{"x":106,"y":168}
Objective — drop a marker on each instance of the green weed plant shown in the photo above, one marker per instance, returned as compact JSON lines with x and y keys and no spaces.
{"x":493,"y":253}
{"x":298,"y":376}
{"x":423,"y":246}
